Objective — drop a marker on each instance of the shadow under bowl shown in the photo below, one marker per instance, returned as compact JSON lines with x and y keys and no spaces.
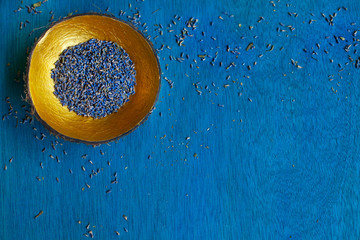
{"x":75,"y":30}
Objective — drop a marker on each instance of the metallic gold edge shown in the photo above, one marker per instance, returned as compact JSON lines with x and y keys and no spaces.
{"x":47,"y":126}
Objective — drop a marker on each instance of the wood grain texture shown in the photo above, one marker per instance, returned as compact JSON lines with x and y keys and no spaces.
{"x":280,"y":160}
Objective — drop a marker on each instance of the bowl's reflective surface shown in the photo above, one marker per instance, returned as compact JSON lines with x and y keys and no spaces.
{"x":73,"y":31}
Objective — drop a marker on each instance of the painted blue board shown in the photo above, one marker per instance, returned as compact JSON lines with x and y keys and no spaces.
{"x":266,"y":153}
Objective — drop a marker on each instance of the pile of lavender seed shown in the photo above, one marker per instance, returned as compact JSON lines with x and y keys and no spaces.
{"x":94,"y":78}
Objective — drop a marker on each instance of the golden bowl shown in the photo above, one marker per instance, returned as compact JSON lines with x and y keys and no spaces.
{"x":72,"y":31}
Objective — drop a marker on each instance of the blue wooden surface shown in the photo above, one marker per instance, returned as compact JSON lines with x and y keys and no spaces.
{"x":280,"y":159}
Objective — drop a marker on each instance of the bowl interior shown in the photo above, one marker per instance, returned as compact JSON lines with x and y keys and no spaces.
{"x":71,"y":32}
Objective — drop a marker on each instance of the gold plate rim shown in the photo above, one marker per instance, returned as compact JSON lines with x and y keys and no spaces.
{"x":45,"y":124}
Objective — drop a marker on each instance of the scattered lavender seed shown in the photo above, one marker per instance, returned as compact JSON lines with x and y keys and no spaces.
{"x":39,"y":214}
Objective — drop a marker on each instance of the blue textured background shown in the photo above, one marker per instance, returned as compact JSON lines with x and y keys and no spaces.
{"x":280,"y":160}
